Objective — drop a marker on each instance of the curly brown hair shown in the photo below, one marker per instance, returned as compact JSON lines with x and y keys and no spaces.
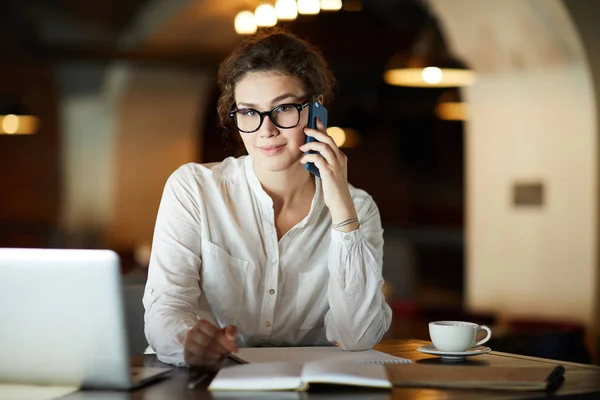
{"x":273,"y":49}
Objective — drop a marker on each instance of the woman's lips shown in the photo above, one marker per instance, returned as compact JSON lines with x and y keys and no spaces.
{"x":272,"y":150}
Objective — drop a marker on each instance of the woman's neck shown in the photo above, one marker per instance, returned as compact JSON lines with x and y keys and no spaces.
{"x":287,"y":187}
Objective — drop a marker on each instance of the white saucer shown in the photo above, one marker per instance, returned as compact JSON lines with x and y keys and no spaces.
{"x":453,"y":355}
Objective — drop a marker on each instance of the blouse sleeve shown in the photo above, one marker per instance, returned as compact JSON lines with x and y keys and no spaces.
{"x":358,"y":316}
{"x":172,"y":298}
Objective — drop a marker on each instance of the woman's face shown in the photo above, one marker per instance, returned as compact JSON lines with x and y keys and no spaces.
{"x":272,"y":148}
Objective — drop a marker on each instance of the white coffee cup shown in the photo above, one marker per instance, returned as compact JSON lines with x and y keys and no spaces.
{"x":456,"y":336}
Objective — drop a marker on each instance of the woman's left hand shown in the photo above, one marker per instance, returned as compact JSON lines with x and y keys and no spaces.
{"x":333,"y":168}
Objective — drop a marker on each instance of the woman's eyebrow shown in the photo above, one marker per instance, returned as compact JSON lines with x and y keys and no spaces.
{"x":274,"y":101}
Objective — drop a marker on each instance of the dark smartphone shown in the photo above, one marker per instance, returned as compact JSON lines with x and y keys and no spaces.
{"x":315,"y":110}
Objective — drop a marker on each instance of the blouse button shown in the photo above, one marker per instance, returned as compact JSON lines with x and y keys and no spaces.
{"x":346,"y":237}
{"x":267,"y":324}
{"x":272,"y":291}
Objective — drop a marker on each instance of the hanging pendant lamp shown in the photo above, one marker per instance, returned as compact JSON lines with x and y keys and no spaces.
{"x":15,"y":120}
{"x":428,"y":64}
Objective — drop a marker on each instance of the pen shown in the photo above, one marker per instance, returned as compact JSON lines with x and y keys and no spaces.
{"x":236,"y":359}
{"x":197,"y":382}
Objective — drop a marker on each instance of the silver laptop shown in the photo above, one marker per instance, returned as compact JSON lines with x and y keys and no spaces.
{"x":62,"y":320}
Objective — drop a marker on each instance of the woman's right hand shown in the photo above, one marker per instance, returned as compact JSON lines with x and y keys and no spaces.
{"x":207,"y":345}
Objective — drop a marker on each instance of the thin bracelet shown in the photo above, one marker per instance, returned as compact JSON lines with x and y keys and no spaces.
{"x":344,"y":223}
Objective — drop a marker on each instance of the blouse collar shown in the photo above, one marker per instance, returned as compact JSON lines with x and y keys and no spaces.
{"x":256,"y":187}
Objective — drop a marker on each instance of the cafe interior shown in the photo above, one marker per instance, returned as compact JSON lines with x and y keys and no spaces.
{"x":474,"y":124}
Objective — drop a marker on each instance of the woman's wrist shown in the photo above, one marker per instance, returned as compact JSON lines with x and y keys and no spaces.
{"x":344,"y":217}
{"x":347,"y":225}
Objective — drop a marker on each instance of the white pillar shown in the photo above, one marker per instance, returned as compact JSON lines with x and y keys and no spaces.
{"x":87,"y":126}
{"x":533,"y":118}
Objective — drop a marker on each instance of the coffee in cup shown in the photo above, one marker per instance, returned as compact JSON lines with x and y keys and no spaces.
{"x":456,"y":336}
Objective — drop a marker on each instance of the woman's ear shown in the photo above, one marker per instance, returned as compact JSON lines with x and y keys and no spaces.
{"x":320,"y":98}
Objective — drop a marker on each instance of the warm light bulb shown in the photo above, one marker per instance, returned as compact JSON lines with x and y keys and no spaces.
{"x":417,"y":77}
{"x":245,"y":23}
{"x":337,"y":134}
{"x":432,"y":75}
{"x":344,"y":137}
{"x":331,"y":5}
{"x":452,"y":111}
{"x":308,"y":7}
{"x":286,"y":9}
{"x":265,"y":15}
{"x":10,"y":124}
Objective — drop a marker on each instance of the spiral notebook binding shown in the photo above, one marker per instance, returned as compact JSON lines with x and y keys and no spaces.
{"x":381,"y":362}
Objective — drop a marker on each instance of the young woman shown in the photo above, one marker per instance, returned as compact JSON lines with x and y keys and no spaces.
{"x":255,"y":250}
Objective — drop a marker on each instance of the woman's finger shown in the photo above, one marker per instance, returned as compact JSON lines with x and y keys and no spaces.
{"x":323,"y":148}
{"x":230,"y":331}
{"x":226,"y":339}
{"x":321,"y":137}
{"x":203,"y":351}
{"x":321,"y":126}
{"x":321,"y":164}
{"x":207,"y":335}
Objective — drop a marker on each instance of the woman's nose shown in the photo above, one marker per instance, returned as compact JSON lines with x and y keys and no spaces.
{"x":268,"y":128}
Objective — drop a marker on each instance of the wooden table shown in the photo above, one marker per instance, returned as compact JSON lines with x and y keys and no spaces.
{"x":582,"y":381}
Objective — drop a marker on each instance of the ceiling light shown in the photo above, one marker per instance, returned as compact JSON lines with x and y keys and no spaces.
{"x":309,"y":7}
{"x":432,"y":75}
{"x":15,"y":120}
{"x":265,"y":15}
{"x":337,"y":134}
{"x":12,"y":124}
{"x":452,"y":111}
{"x":450,"y":107}
{"x":286,"y":9}
{"x":331,"y":5}
{"x":428,"y":65}
{"x":245,"y":23}
{"x":343,"y":137}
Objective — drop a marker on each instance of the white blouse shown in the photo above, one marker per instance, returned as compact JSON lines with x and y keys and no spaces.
{"x":216,"y":256}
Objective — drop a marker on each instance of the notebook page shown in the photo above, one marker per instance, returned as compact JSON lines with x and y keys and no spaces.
{"x":314,"y":353}
{"x":271,"y":376}
{"x":258,"y":395}
{"x":346,"y":373}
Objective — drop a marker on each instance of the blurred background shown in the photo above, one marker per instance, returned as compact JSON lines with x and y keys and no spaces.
{"x":472,"y":123}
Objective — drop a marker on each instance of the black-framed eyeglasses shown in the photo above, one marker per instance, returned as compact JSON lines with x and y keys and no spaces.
{"x":284,"y":116}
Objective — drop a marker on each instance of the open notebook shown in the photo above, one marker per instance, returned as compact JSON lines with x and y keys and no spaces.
{"x":295,"y":368}
{"x":299,"y":376}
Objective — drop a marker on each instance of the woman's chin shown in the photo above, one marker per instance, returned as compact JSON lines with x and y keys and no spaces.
{"x":279,"y":164}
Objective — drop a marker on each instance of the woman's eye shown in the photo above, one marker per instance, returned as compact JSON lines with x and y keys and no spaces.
{"x":284,"y":108}
{"x":247,"y":113}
